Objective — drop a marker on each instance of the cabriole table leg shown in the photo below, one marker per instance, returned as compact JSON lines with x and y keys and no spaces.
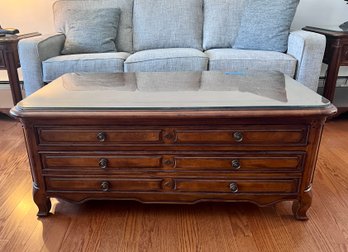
{"x":42,"y":201}
{"x":301,"y":206}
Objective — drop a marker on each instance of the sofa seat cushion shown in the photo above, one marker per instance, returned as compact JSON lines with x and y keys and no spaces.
{"x":241,"y":60}
{"x":93,"y":62}
{"x":167,"y":60}
{"x":167,"y":24}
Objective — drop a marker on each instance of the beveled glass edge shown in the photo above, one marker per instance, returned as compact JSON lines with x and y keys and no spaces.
{"x":201,"y":108}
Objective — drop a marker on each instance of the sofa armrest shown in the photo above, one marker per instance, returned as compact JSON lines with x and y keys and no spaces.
{"x":308,"y":48}
{"x":32,"y":51}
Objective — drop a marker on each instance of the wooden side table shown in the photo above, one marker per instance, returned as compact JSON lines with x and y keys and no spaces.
{"x":9,"y":61}
{"x":336,"y":55}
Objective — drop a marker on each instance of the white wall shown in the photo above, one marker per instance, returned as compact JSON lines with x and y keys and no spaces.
{"x":27,"y":15}
{"x":320,"y":12}
{"x":36,"y":15}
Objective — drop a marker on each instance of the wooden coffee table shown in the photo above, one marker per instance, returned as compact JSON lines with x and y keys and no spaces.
{"x":174,"y":138}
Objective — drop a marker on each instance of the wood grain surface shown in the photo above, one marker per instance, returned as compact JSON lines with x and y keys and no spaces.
{"x":131,"y":226}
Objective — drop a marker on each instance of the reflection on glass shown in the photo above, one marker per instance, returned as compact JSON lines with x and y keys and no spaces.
{"x":174,"y":90}
{"x":264,"y":84}
{"x":169,"y":82}
{"x":99,"y":81}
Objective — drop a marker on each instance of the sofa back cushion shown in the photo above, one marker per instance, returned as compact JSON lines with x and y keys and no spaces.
{"x":265,"y":25}
{"x":124,"y":39}
{"x":222,"y":20}
{"x":167,"y":24}
{"x":99,"y":38}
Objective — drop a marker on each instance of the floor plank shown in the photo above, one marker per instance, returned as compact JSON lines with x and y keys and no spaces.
{"x":131,"y":226}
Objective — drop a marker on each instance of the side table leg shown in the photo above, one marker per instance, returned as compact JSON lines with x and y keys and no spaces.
{"x":301,"y":206}
{"x":11,"y":60}
{"x":332,"y":73}
{"x":15,"y":87}
{"x":43,"y":202}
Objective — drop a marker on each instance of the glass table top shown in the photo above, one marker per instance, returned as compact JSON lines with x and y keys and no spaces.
{"x":334,"y":28}
{"x":173,"y":90}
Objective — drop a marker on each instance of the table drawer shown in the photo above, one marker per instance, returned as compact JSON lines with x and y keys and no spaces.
{"x":237,"y":186}
{"x":272,"y":162}
{"x":241,"y":162}
{"x":264,"y":135}
{"x":101,"y":162}
{"x":178,"y":185}
{"x":259,"y":135}
{"x":97,"y":136}
{"x":102,"y":184}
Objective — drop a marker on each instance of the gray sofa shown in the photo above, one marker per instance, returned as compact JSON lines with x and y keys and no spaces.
{"x":169,"y":35}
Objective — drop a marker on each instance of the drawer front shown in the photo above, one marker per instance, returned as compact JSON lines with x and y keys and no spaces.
{"x":95,"y":136}
{"x":250,"y":162}
{"x":103,"y":184}
{"x":103,"y":162}
{"x":260,"y":136}
{"x":180,"y":185}
{"x":237,"y":186}
{"x":273,"y":162}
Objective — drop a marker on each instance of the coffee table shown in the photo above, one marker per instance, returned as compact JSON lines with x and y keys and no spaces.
{"x":174,"y":138}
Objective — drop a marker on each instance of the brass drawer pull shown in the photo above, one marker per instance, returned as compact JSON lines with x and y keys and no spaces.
{"x":238,"y":136}
{"x":101,"y":136}
{"x":234,"y":187}
{"x":105,"y":186}
{"x":103,"y":163}
{"x":235,"y":164}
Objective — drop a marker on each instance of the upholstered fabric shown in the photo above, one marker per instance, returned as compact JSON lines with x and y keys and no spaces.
{"x":167,"y":24}
{"x":124,"y":41}
{"x":32,"y":52}
{"x":167,"y":60}
{"x":266,"y":25}
{"x":94,"y":62}
{"x":304,"y":54}
{"x":308,"y":48}
{"x":91,"y":31}
{"x":221,"y":22}
{"x":241,"y":60}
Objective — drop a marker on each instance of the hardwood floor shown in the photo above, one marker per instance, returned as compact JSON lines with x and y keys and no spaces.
{"x":131,"y":226}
